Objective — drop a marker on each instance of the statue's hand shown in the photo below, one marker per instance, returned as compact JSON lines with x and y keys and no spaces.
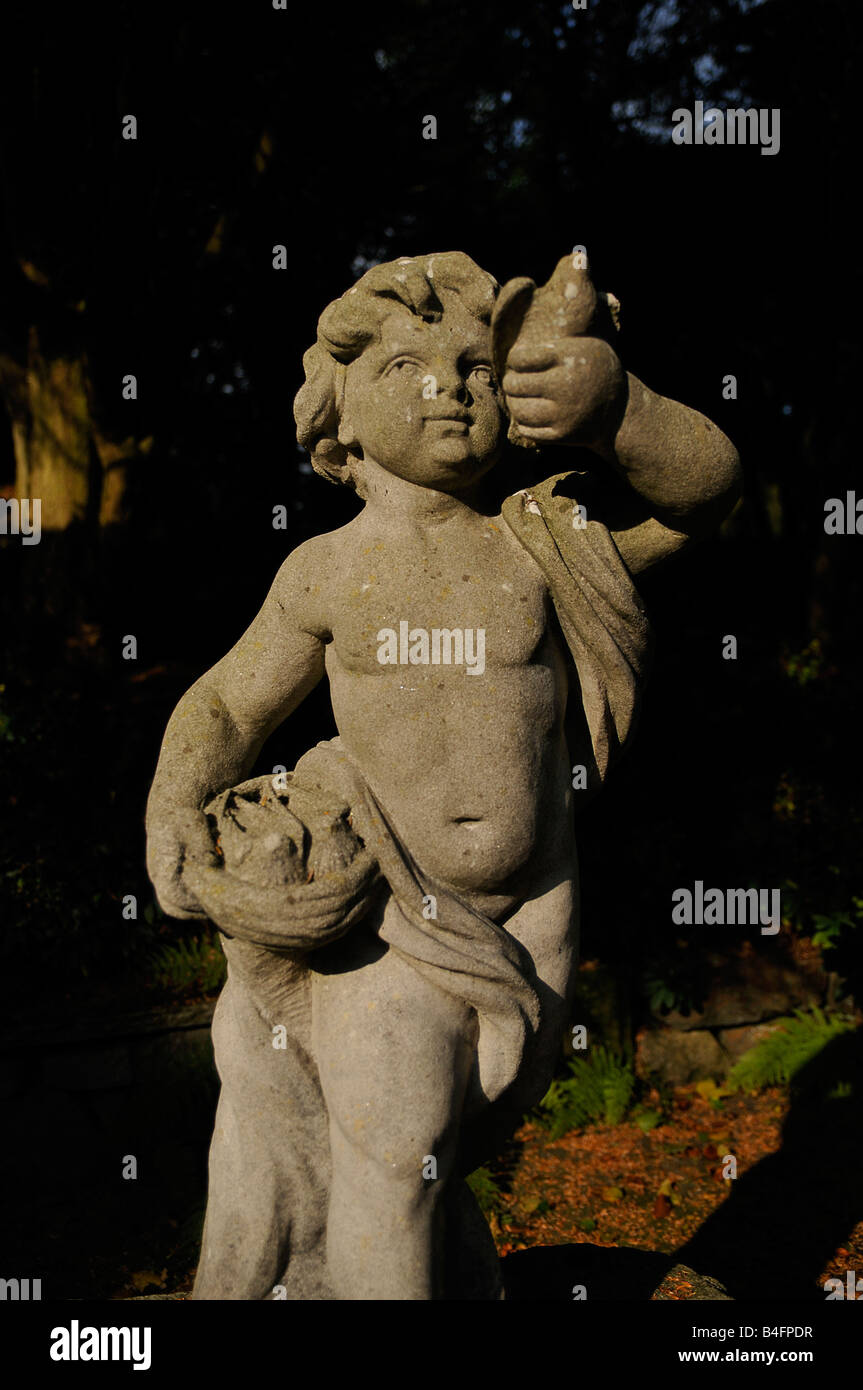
{"x":177,"y":837}
{"x":305,"y":917}
{"x":571,"y":391}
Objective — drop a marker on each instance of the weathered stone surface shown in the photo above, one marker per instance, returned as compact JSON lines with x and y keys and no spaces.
{"x":679,"y":1057}
{"x":694,"y":1054}
{"x":736,"y":1041}
{"x":400,"y":911}
{"x":682,"y":1284}
{"x":748,"y":988}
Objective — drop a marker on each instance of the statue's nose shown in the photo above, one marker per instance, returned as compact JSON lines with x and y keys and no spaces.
{"x":450,"y":382}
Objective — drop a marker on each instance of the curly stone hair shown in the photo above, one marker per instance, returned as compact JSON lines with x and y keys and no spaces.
{"x":350,"y":323}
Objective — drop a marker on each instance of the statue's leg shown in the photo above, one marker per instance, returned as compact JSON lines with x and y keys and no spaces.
{"x":269,"y":1157}
{"x":394,"y":1054}
{"x":546,"y":925}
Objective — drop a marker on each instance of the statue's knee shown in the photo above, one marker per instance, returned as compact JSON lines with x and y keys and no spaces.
{"x":402,"y":1165}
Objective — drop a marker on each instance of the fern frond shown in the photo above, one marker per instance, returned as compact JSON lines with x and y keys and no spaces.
{"x":599,"y":1088}
{"x":778,"y":1058}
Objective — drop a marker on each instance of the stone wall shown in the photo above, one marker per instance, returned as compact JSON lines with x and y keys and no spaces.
{"x":748,"y":990}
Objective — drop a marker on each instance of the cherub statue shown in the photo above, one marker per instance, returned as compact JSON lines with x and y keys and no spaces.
{"x":399,"y":913}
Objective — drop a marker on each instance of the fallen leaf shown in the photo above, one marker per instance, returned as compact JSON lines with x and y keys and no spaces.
{"x":648,"y":1120}
{"x":661,"y":1207}
{"x":708,"y":1090}
{"x":611,"y":1194}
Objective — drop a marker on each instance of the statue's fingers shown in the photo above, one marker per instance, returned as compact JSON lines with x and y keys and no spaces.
{"x":540,"y":383}
{"x":532,"y":356}
{"x":174,"y":900}
{"x":231,"y":901}
{"x":268,"y":917}
{"x":248,"y":911}
{"x":227,"y":898}
{"x":219,"y":894}
{"x":335,"y":886}
{"x":194,"y":834}
{"x":540,"y":434}
{"x":533,"y":410}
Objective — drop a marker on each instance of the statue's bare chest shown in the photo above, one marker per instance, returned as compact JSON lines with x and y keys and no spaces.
{"x":452,"y":591}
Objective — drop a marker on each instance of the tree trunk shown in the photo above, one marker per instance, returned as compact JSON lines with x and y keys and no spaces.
{"x":61,"y":455}
{"x":81,"y":478}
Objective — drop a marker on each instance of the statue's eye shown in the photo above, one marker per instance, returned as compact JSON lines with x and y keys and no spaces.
{"x":403,"y":366}
{"x":483,"y":372}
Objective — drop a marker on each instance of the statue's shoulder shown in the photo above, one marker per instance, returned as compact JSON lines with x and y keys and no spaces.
{"x":309,"y":578}
{"x":319,"y":555}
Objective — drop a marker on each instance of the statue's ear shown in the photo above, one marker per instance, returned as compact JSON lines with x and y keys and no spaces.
{"x":330,"y":459}
{"x":347,"y":434}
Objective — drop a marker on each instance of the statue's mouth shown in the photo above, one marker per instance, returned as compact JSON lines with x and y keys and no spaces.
{"x":460,"y":421}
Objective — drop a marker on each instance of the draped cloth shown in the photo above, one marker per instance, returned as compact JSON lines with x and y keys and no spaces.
{"x":600,"y":613}
{"x":269,"y":1159}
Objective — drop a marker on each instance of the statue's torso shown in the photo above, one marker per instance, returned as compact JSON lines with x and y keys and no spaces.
{"x":470,"y":766}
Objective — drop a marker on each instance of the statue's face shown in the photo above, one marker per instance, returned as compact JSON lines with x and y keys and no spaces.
{"x":422,"y":401}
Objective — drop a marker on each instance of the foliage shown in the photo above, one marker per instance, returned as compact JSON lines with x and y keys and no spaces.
{"x":485,"y":1189}
{"x":829,"y":927}
{"x":778,"y":1058}
{"x":194,"y":965}
{"x":647,"y":1119}
{"x":806,"y":665}
{"x":599,"y":1088}
{"x":668,"y":987}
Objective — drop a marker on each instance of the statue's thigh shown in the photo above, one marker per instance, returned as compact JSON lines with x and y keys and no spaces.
{"x":394,"y":1054}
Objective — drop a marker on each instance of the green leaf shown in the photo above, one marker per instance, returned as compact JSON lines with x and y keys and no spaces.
{"x":778,"y":1058}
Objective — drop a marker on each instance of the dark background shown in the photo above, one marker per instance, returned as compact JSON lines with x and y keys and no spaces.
{"x":303,"y":127}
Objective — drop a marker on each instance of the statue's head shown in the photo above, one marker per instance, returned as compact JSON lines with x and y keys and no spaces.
{"x":401,"y":374}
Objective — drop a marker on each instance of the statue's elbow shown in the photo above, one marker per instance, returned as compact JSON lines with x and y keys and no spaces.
{"x":729,"y":479}
{"x":718,"y":492}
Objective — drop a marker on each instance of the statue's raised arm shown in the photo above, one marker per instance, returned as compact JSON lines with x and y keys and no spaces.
{"x":564,"y":383}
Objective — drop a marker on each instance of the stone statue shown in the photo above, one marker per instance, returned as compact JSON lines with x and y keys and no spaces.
{"x":399,"y":913}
